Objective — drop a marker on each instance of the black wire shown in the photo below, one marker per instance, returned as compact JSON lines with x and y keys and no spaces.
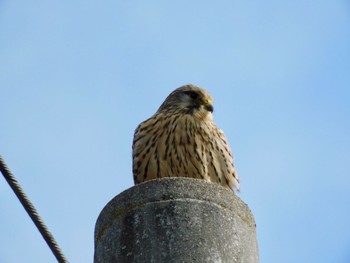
{"x":28,"y":206}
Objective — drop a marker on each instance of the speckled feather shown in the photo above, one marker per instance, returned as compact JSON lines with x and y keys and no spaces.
{"x":182,"y":140}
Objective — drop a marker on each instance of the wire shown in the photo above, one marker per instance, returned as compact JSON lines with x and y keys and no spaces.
{"x":28,"y":206}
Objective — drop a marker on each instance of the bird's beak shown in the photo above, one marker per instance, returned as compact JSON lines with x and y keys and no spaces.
{"x":208,"y":105}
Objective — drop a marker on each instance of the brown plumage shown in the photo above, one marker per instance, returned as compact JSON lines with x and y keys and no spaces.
{"x":182,"y":140}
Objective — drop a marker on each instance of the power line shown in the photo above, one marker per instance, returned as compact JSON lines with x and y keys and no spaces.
{"x":29,"y":207}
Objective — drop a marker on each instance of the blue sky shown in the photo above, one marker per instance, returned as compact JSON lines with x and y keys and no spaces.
{"x":76,"y":78}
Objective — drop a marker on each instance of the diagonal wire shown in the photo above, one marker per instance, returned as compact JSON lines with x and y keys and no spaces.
{"x":29,"y":207}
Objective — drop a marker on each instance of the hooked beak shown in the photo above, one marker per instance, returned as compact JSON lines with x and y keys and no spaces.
{"x":209,"y":107}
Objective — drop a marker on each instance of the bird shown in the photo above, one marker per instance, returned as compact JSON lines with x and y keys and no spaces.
{"x":182,"y":140}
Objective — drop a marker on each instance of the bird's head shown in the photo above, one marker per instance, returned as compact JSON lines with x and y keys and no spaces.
{"x":189,"y":99}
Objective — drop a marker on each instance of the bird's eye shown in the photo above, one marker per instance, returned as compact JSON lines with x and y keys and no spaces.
{"x":192,"y":94}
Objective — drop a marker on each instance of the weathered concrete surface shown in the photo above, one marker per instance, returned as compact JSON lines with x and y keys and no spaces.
{"x":176,"y":220}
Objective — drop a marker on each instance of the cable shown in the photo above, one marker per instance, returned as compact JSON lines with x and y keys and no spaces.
{"x":28,"y":206}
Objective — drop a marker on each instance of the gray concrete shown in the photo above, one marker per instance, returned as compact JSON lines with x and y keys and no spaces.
{"x":176,"y":220}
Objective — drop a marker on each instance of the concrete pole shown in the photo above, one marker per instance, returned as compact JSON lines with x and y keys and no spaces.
{"x":176,"y":220}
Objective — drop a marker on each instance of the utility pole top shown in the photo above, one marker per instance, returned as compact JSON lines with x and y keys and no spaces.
{"x":176,"y":220}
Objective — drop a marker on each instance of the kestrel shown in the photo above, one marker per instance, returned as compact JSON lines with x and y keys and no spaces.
{"x":182,"y":140}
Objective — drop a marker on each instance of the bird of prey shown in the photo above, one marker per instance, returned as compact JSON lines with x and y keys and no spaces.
{"x":182,"y":140}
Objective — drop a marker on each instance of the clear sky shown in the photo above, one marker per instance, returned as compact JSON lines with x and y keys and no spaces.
{"x":76,"y":78}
